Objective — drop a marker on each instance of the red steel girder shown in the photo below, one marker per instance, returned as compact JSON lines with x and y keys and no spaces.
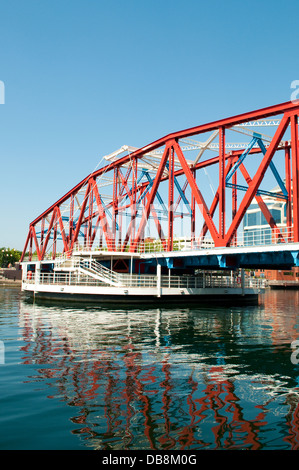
{"x":151,"y":197}
{"x":103,"y":219}
{"x":295,"y":174}
{"x":258,"y":177}
{"x":226,"y":123}
{"x":231,"y":161}
{"x":289,"y":189}
{"x":289,"y":113}
{"x":170,"y":199}
{"x":222,"y":182}
{"x":263,"y":206}
{"x":79,"y":222}
{"x":197,"y":194}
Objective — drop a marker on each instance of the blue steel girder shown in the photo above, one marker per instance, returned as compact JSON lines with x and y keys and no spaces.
{"x":257,"y":139}
{"x":259,"y":191}
{"x":270,"y":260}
{"x":143,"y":173}
{"x":295,"y":255}
{"x":158,"y":196}
{"x":181,"y":192}
{"x":241,"y":159}
{"x":108,"y":212}
{"x":104,"y":206}
{"x":46,"y":230}
{"x":259,"y":260}
{"x":274,"y":170}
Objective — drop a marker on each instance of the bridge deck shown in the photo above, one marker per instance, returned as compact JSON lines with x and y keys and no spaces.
{"x":276,"y":256}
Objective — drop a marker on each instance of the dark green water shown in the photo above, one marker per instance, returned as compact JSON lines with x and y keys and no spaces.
{"x":91,"y":378}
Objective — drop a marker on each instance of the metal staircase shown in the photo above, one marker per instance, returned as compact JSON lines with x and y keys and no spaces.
{"x":96,"y":270}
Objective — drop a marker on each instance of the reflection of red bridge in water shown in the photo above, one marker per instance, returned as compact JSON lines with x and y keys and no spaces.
{"x":113,"y":206}
{"x":126,"y":403}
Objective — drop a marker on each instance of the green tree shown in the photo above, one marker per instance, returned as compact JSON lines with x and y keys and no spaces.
{"x":9,"y":256}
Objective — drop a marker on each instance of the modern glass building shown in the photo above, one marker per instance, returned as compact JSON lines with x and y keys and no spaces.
{"x":257,"y":231}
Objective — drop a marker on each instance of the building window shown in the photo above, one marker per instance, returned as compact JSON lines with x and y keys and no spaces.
{"x":276,"y":215}
{"x":252,"y":219}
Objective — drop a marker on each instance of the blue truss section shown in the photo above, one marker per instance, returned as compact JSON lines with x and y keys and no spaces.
{"x":260,"y":192}
{"x":258,"y":259}
{"x":274,"y":170}
{"x":151,"y":182}
{"x":257,"y":140}
{"x":241,"y":159}
{"x":181,"y":192}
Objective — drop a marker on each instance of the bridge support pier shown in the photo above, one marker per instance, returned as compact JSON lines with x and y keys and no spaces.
{"x":243,"y":281}
{"x":158,"y":280}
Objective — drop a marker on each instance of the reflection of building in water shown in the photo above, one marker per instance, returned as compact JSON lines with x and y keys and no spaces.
{"x":149,"y":380}
{"x":283,"y":326}
{"x":258,"y":231}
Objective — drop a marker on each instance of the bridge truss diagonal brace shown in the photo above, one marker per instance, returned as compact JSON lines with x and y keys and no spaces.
{"x":158,"y":224}
{"x":80,"y":218}
{"x":274,"y":170}
{"x":51,"y":225}
{"x":124,"y":180}
{"x":262,"y":205}
{"x":197,"y":194}
{"x":295,"y":174}
{"x":151,"y":197}
{"x":257,"y":179}
{"x":62,"y":230}
{"x":33,"y":235}
{"x":102,"y":216}
{"x":240,"y":159}
{"x":215,"y":201}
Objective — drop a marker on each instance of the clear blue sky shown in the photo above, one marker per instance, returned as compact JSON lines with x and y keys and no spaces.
{"x":84,"y":77}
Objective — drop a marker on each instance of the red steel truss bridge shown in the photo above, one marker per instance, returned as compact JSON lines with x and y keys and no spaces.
{"x":194,"y":193}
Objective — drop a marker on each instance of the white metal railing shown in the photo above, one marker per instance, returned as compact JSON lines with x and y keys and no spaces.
{"x":76,"y":278}
{"x":150,"y":246}
{"x":64,"y":279}
{"x":255,"y":236}
{"x":136,"y":280}
{"x":264,"y":236}
{"x":97,"y":269}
